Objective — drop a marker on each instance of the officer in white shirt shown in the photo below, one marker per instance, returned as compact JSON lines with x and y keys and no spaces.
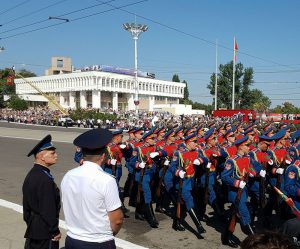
{"x":90,"y":197}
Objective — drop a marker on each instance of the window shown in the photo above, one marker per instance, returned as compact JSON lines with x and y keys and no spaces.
{"x":60,"y":63}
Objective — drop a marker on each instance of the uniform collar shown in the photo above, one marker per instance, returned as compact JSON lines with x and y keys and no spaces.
{"x":39,"y":166}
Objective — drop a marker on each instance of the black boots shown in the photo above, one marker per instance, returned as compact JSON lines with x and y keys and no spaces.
{"x":150,"y":216}
{"x":247,"y":229}
{"x":195,"y":219}
{"x":227,"y":240}
{"x":138,"y":212}
{"x":218,"y":211}
{"x":177,"y":226}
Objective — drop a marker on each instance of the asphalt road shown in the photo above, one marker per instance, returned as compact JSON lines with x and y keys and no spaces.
{"x":17,"y":140}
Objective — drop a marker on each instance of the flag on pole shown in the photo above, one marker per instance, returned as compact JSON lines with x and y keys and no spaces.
{"x":289,"y":202}
{"x":235,"y":49}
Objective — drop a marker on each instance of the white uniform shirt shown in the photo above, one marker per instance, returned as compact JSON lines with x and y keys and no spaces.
{"x":88,"y":194}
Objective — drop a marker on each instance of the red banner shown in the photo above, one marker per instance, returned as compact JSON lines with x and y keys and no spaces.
{"x":10,"y":80}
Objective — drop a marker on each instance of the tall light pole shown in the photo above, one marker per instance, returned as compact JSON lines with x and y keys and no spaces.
{"x":135,"y":30}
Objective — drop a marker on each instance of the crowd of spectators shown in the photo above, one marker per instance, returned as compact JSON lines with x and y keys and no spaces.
{"x":122,"y":120}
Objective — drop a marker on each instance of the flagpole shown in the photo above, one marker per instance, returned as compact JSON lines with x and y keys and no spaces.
{"x":233,"y":74}
{"x":216,"y":79}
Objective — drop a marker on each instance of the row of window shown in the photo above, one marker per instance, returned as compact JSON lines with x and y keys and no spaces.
{"x":75,"y":83}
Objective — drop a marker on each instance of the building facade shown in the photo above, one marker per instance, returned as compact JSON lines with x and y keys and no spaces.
{"x":101,"y":90}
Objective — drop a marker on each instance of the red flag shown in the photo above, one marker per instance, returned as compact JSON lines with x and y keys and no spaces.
{"x":236,"y":46}
{"x":10,"y":80}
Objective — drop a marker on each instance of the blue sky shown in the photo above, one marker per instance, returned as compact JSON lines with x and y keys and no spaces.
{"x":180,"y":39}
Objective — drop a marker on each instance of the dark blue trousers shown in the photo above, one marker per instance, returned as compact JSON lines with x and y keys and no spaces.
{"x":79,"y":244}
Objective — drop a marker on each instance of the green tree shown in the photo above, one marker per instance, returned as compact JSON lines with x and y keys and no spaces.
{"x":287,"y":108}
{"x":17,"y":104}
{"x":26,"y":74}
{"x":245,"y":97}
{"x":175,"y":78}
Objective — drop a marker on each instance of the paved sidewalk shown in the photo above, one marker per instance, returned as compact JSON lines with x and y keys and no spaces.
{"x":13,"y":228}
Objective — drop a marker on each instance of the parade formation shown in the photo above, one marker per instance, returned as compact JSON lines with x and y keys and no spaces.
{"x":241,"y":169}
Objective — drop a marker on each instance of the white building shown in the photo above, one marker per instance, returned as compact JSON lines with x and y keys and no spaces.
{"x":98,"y":89}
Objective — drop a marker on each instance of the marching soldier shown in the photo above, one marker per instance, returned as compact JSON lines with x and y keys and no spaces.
{"x":235,"y":176}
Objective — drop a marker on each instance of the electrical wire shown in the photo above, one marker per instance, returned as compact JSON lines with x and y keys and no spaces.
{"x":72,"y":20}
{"x":34,"y":12}
{"x":14,"y":7}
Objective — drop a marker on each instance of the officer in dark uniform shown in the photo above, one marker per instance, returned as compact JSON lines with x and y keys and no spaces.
{"x":41,"y":199}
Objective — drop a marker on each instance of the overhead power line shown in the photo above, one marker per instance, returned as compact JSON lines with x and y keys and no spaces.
{"x":14,"y":7}
{"x":33,"y":12}
{"x":72,"y":20}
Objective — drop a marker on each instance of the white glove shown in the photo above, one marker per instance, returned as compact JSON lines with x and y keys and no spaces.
{"x":181,"y":173}
{"x":197,"y":162}
{"x":122,"y":146}
{"x":142,"y":165}
{"x":251,"y":175}
{"x":279,"y":171}
{"x":113,"y":161}
{"x":167,"y":162}
{"x":242,"y":184}
{"x":154,"y":154}
{"x":270,"y":162}
{"x":208,"y":165}
{"x":262,"y":173}
{"x":288,"y":162}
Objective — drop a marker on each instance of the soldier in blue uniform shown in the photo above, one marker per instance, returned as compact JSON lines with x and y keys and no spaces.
{"x":292,"y":185}
{"x":233,"y":175}
{"x":182,"y":168}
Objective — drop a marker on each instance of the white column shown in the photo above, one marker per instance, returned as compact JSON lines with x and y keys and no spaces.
{"x":151,"y":103}
{"x":177,"y":101}
{"x":115,"y":101}
{"x":61,"y":99}
{"x":72,"y":103}
{"x":83,"y":102}
{"x":166,"y":100}
{"x":131,"y":105}
{"x":96,"y":99}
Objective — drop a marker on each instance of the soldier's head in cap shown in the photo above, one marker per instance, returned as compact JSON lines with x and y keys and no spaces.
{"x":160,"y":132}
{"x":170,"y":136}
{"x":269,"y":132}
{"x":229,"y":136}
{"x":221,"y":130}
{"x":264,"y":142}
{"x":149,"y":137}
{"x":210,"y":137}
{"x":179,"y":133}
{"x":242,"y":145}
{"x":131,"y":133}
{"x":190,"y":141}
{"x":296,"y":136}
{"x":93,"y":144}
{"x":250,"y":133}
{"x":117,"y":136}
{"x":200,"y":131}
{"x":227,"y":126}
{"x":138,"y":133}
{"x":44,"y":152}
{"x":280,"y":138}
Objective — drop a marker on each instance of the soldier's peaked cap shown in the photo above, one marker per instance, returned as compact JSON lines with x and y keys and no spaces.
{"x":296,"y":135}
{"x":209,"y":133}
{"x":280,"y":134}
{"x":266,"y":139}
{"x":44,"y":144}
{"x":117,"y":132}
{"x":241,"y":141}
{"x":169,"y":133}
{"x":93,"y":139}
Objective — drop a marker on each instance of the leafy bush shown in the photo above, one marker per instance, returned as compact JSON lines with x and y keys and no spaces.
{"x":17,"y":104}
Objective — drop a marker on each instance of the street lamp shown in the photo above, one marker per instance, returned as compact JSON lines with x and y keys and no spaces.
{"x":135,"y":30}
